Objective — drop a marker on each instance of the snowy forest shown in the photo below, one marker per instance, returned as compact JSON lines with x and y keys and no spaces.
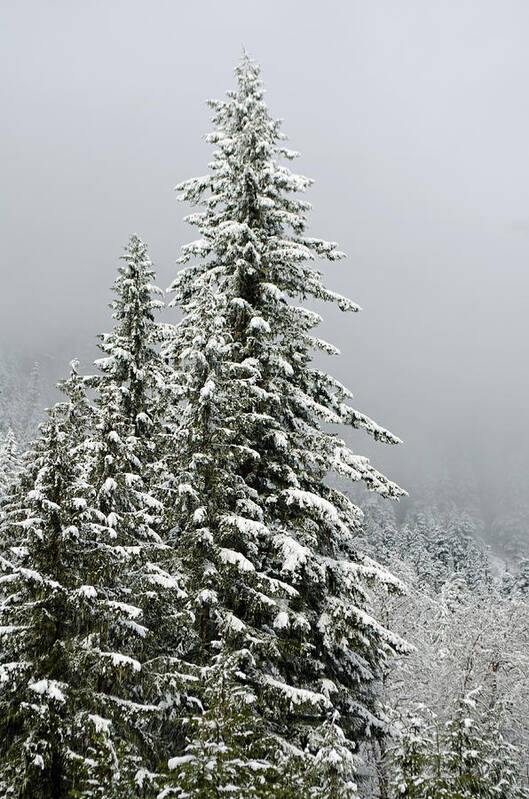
{"x":205,"y":590}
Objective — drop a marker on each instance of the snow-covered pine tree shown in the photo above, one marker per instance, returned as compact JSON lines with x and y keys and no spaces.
{"x":69,"y":704}
{"x":126,"y":448}
{"x":90,"y":602}
{"x":33,"y":620}
{"x":334,"y":764}
{"x":9,"y":463}
{"x":467,"y":761}
{"x":442,"y":545}
{"x":414,"y":755}
{"x":51,"y":745}
{"x":269,"y":541}
{"x":133,"y":565}
{"x":132,"y":364}
{"x":456,"y":544}
{"x":224,"y":753}
{"x":521,"y":580}
{"x":502,"y":769}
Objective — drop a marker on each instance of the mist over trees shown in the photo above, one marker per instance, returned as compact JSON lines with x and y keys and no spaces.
{"x":205,"y":591}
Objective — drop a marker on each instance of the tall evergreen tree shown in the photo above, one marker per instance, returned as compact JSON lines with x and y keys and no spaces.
{"x":43,"y":615}
{"x":268,"y":540}
{"x":132,"y":365}
{"x":137,"y":567}
{"x":91,"y":592}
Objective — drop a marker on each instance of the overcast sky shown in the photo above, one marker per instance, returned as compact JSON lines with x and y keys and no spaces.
{"x":412,"y":116}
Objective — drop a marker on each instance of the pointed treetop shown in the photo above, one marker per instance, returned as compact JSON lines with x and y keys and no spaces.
{"x":247,"y":68}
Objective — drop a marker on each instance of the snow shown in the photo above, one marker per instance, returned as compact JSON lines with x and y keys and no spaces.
{"x":20,"y":552}
{"x":158,"y":577}
{"x":138,"y":629}
{"x":141,"y":775}
{"x":310,"y":501}
{"x":328,"y":687}
{"x":259,"y":324}
{"x":278,"y":586}
{"x":8,"y":669}
{"x":119,"y":660}
{"x":104,"y":363}
{"x":266,"y":600}
{"x":236,"y":559}
{"x":207,"y":597}
{"x":176,"y":762}
{"x":273,"y":291}
{"x":208,"y":390}
{"x":79,"y":503}
{"x":280,"y":439}
{"x":87,"y":591}
{"x":298,"y":696}
{"x":281,"y":621}
{"x":294,"y":554}
{"x":200,"y":515}
{"x":8,"y":629}
{"x":34,"y":576}
{"x":50,"y":688}
{"x":132,"y":611}
{"x":233,"y":623}
{"x":186,"y":489}
{"x":283,"y":365}
{"x":244,"y":525}
{"x":100,"y":724}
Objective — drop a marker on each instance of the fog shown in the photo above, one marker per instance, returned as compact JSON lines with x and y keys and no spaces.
{"x":412,"y":117}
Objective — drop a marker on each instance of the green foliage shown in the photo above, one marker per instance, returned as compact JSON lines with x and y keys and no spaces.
{"x":462,"y":758}
{"x":226,"y":747}
{"x":86,"y":581}
{"x":266,"y":541}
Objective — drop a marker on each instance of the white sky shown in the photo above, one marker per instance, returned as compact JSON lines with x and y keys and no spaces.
{"x":413,"y":118}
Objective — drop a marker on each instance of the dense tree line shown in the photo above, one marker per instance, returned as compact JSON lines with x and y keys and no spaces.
{"x":459,"y":700}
